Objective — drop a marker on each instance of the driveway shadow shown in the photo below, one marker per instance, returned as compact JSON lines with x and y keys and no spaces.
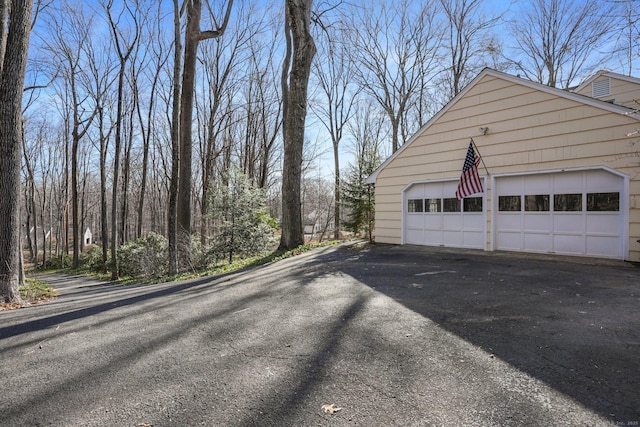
{"x":569,"y":324}
{"x":573,"y":325}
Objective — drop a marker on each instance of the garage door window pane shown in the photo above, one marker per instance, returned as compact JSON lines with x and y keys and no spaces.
{"x":536,"y":203}
{"x":451,"y":205}
{"x":599,"y":202}
{"x":567,"y":202}
{"x":415,"y":205}
{"x":509,"y":203}
{"x":472,"y":204}
{"x":433,"y":205}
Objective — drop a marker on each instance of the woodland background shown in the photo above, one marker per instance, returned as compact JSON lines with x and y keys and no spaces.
{"x":98,"y":108}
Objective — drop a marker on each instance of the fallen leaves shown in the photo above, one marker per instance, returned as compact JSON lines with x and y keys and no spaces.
{"x":332,"y":409}
{"x":10,"y":306}
{"x":26,"y":302}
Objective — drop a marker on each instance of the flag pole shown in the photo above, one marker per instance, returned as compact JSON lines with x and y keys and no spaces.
{"x":478,"y":151}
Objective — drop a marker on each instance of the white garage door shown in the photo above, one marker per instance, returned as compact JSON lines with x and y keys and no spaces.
{"x":434,"y":217}
{"x":572,"y":213}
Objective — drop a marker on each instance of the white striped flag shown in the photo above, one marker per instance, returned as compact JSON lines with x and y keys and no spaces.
{"x":470,"y":182}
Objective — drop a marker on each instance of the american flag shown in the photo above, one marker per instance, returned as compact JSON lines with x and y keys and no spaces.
{"x":470,"y":182}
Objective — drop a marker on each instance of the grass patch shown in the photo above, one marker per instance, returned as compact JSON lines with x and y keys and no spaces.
{"x":280,"y":255}
{"x":239,"y":264}
{"x":236,"y":265}
{"x":269,"y":257}
{"x":33,"y":292}
{"x":36,"y":290}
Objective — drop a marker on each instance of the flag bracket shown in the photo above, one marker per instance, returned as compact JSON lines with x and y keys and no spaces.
{"x":481,"y":158}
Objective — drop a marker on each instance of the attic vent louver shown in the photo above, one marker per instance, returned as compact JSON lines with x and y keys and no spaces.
{"x":601,"y":87}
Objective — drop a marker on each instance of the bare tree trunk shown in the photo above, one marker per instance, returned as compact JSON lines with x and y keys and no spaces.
{"x":335,"y":77}
{"x":191,"y":41}
{"x":4,"y":12}
{"x":172,"y":226}
{"x":104,"y":227}
{"x":295,"y":79}
{"x":74,"y":187}
{"x":30,"y":205}
{"x":44,"y":240}
{"x":124,"y":52}
{"x":76,"y":136}
{"x":126,"y":175}
{"x":83,"y":203}
{"x":193,"y":36}
{"x":43,"y":205}
{"x":65,"y":243}
{"x":336,"y":189}
{"x":146,"y":136}
{"x":12,"y":73}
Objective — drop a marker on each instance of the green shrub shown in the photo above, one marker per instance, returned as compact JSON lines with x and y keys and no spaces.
{"x":59,"y":262}
{"x":146,"y":257}
{"x":92,"y":259}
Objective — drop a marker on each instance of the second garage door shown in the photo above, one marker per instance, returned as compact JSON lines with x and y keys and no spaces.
{"x":572,"y":213}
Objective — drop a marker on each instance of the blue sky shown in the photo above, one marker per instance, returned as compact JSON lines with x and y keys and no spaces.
{"x":315,"y":132}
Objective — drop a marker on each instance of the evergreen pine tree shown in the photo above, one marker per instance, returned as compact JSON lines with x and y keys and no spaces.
{"x":243,"y":226}
{"x":358,"y":196}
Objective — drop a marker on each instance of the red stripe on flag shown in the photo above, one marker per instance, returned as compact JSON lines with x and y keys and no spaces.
{"x":470,"y":182}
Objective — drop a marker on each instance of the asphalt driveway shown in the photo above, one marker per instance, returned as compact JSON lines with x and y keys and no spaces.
{"x":392,"y":335}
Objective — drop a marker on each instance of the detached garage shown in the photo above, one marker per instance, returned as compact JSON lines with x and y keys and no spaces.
{"x":560,"y":171}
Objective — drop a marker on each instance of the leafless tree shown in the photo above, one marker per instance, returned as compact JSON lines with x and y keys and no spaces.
{"x":627,"y":45}
{"x":263,"y":108}
{"x":558,"y":40}
{"x":69,"y":37}
{"x":296,"y":70}
{"x":172,"y":214}
{"x":318,"y":205}
{"x":466,"y":41}
{"x":334,"y":74}
{"x":36,"y":151}
{"x":159,"y":56}
{"x":31,"y":216}
{"x":45,"y":150}
{"x":367,"y":132}
{"x":124,"y":47}
{"x":223,"y":62}
{"x":193,"y":36}
{"x":14,"y":39}
{"x":396,"y":48}
{"x":101,"y":69}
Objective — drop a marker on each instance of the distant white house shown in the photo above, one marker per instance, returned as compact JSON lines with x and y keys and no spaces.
{"x":560,"y":170}
{"x":317,"y":222}
{"x":88,"y":237}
